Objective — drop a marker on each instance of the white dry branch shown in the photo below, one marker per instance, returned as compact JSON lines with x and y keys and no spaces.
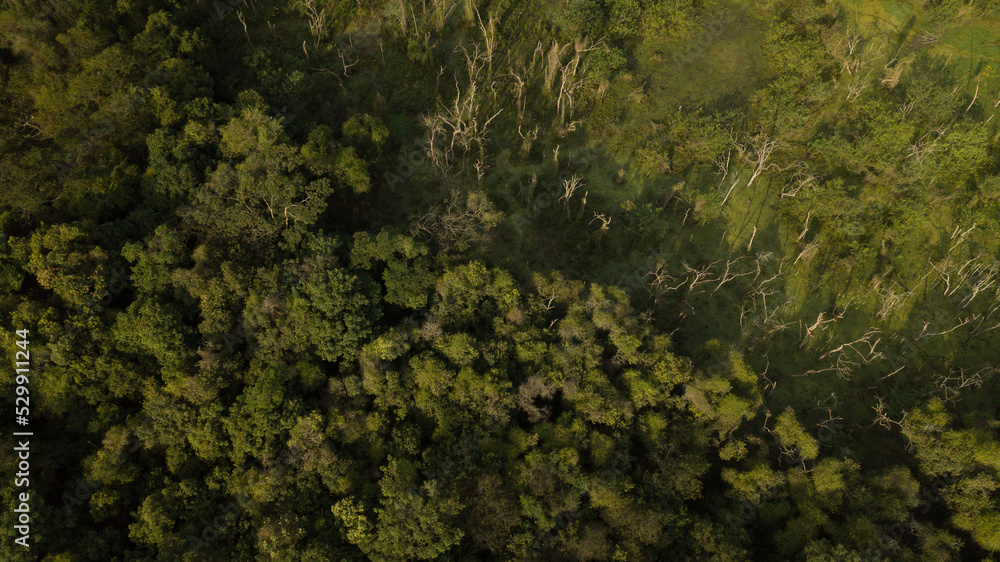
{"x":662,"y":283}
{"x":966,"y":280}
{"x":732,"y":186}
{"x":756,"y":150}
{"x":801,"y":179}
{"x":889,"y":298}
{"x":570,"y":186}
{"x":462,"y":126}
{"x":848,"y":357}
{"x":605,"y":221}
{"x":457,"y":127}
{"x":699,"y":276}
{"x":925,"y":334}
{"x":821,"y":320}
{"x":986,"y":322}
{"x":863,"y":346}
{"x":950,"y":386}
{"x":723,"y":165}
{"x":858,"y":85}
{"x":489,"y":32}
{"x":464,"y":219}
{"x":882,"y":417}
{"x":926,"y":145}
{"x":519,"y":85}
{"x":730,"y":272}
{"x":317,"y":19}
{"x":857,"y":55}
{"x":757,"y":312}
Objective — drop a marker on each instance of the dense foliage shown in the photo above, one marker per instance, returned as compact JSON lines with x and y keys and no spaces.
{"x":500,"y":279}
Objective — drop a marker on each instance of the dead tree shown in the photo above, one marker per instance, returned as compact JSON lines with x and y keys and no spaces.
{"x":464,"y":219}
{"x":858,"y":85}
{"x":851,"y":42}
{"x":756,"y":151}
{"x":440,"y":12}
{"x":699,"y":276}
{"x":986,"y":321}
{"x":569,"y":82}
{"x":757,"y":313}
{"x":661,"y":283}
{"x":857,"y":54}
{"x":977,"y":275}
{"x":480,"y":167}
{"x":862,"y":346}
{"x":569,"y":188}
{"x":489,"y":33}
{"x":732,"y":186}
{"x":958,"y":236}
{"x":805,"y":226}
{"x":889,"y":300}
{"x":925,"y":334}
{"x":723,"y":165}
{"x":605,"y":222}
{"x":548,"y":298}
{"x":981,"y":278}
{"x":570,"y":75}
{"x":519,"y":84}
{"x":527,"y":192}
{"x":950,"y":386}
{"x":527,"y":139}
{"x":730,"y":274}
{"x":552,"y":63}
{"x":818,"y":325}
{"x":567,"y":86}
{"x":891,"y":75}
{"x":974,"y":97}
{"x":457,"y":127}
{"x":807,"y":252}
{"x":28,"y":124}
{"x":848,"y":357}
{"x":317,"y":19}
{"x":882,"y":417}
{"x":926,"y":145}
{"x":800,"y":180}
{"x":399,"y":11}
{"x":461,"y":126}
{"x":243,"y":22}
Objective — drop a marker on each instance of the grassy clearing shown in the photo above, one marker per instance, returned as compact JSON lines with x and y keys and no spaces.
{"x":721,"y":60}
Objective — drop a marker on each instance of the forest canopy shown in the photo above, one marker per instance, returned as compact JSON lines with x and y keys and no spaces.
{"x":309,"y":280}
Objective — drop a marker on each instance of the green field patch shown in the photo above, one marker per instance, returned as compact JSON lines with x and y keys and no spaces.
{"x":720,"y":60}
{"x":884,"y":15}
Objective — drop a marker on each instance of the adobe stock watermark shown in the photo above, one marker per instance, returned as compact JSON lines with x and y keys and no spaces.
{"x":96,"y":304}
{"x":85,"y":486}
{"x":213,"y":528}
{"x":825,"y":433}
{"x":545,"y":540}
{"x":946,"y":321}
{"x":233,"y":509}
{"x":223,"y":8}
{"x":710,"y":32}
{"x":635,"y":279}
{"x":407,"y":165}
{"x":51,"y":9}
{"x":94,"y":137}
{"x":552,"y":192}
{"x":892,"y":534}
